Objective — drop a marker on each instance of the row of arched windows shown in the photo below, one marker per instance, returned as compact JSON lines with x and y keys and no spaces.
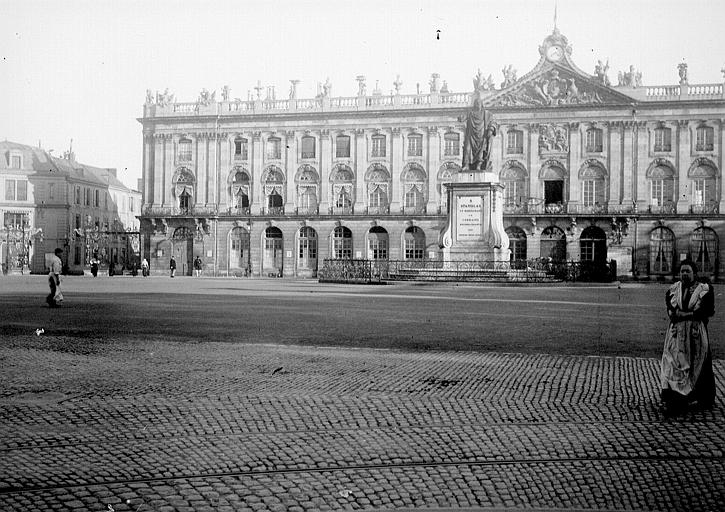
{"x":702,"y":247}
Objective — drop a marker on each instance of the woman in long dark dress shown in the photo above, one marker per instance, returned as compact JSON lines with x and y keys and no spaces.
{"x":686,"y":375}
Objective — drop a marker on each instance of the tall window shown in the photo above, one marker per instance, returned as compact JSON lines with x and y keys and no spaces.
{"x":378,"y":198}
{"x":308,"y":147}
{"x":663,"y":139}
{"x":16,"y":190}
{"x":704,"y":249}
{"x":415,"y":145}
{"x":661,"y":190}
{"x":16,"y":162}
{"x":515,"y":142}
{"x":512,"y":192}
{"x":343,"y":200}
{"x":342,"y":146}
{"x":414,"y":198}
{"x":378,"y":143}
{"x":661,"y":250}
{"x":184,"y":201}
{"x":97,"y":198}
{"x":307,"y":247}
{"x":594,"y":140}
{"x":593,"y":245}
{"x":308,"y":199}
{"x":342,"y":243}
{"x":241,"y":149}
{"x":15,"y":220}
{"x":414,"y":243}
{"x":184,"y":150}
{"x":274,"y":148}
{"x":78,"y":195}
{"x":704,"y":138}
{"x":517,"y":243}
{"x":451,"y":144}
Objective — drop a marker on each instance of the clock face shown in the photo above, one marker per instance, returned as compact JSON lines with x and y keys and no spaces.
{"x":555,"y":53}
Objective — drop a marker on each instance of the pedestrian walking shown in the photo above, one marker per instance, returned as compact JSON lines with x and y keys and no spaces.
{"x":198,"y":266}
{"x":686,"y":375}
{"x":94,"y":266}
{"x":145,"y":267}
{"x":55,"y":297}
{"x":172,"y":266}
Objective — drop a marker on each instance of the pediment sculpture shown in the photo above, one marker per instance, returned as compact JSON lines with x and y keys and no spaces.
{"x":551,"y":89}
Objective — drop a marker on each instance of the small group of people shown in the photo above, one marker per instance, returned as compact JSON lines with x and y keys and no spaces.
{"x":198,"y":266}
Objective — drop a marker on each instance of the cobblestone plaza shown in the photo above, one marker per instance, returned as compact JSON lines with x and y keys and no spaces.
{"x":125,"y":422}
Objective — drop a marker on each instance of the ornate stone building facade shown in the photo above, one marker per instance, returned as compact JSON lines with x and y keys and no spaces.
{"x":591,"y":171}
{"x":48,"y":202}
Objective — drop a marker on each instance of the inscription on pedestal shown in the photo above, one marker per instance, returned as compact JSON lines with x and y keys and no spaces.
{"x":468,"y":217}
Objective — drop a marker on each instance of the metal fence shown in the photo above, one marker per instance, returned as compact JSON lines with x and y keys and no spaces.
{"x":539,"y":270}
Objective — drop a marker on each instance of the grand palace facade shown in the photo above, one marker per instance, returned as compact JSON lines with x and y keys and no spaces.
{"x":591,"y":170}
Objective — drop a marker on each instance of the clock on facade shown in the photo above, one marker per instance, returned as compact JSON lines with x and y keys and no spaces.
{"x":554,"y":52}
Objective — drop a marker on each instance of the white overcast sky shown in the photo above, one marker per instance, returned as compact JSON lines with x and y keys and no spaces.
{"x":80,"y":69}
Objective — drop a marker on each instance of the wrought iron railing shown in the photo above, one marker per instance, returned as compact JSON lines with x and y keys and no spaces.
{"x":533,"y":270}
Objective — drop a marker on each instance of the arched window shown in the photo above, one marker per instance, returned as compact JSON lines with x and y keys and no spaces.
{"x":342,"y":243}
{"x":273,"y":251}
{"x":184,"y":150}
{"x":554,"y":188}
{"x":241,"y":200}
{"x":241,"y":148}
{"x":414,"y":243}
{"x":343,"y":200}
{"x":661,"y":251}
{"x":273,"y":186}
{"x":377,"y":243}
{"x":184,"y":182}
{"x":593,"y":245}
{"x":342,"y":146}
{"x":517,"y":243}
{"x":451,"y":144}
{"x":704,"y":188}
{"x":593,"y":187}
{"x":342,"y":184}
{"x":274,"y":201}
{"x":414,"y":199}
{"x":414,"y":180}
{"x":704,"y":249}
{"x":239,"y":257}
{"x":594,"y":140}
{"x":662,"y":189}
{"x":378,"y":198}
{"x":240,"y":192}
{"x":515,"y":142}
{"x":307,"y":248}
{"x":308,"y":147}
{"x":704,"y":138}
{"x":553,"y":244}
{"x":274,"y":148}
{"x":513,"y":179}
{"x":378,"y":184}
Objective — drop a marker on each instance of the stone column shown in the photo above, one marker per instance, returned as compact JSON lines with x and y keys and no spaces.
{"x":395,"y":166}
{"x":255,"y":196}
{"x":433,"y":155}
{"x":362,"y":143}
{"x":323,"y":171}
{"x":682,"y":189}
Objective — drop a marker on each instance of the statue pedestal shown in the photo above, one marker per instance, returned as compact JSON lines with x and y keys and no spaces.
{"x":474,"y":231}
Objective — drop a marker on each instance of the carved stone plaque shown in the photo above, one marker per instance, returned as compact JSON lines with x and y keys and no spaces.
{"x":468,"y":217}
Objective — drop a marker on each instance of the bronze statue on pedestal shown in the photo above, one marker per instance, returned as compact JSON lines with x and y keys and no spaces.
{"x":480,"y":131}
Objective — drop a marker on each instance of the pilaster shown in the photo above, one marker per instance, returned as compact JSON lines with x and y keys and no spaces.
{"x":614,"y":163}
{"x":324,"y":170}
{"x":720,"y":162}
{"x":396,"y":165}
{"x":158,"y":170}
{"x":576,"y":159}
{"x":682,"y":189}
{"x":290,"y":161}
{"x":256,"y":195}
{"x":534,"y":162}
{"x":641,"y":164}
{"x":201,"y":168}
{"x":434,"y":150}
{"x":361,"y":165}
{"x":167,"y":198}
{"x":225,"y":167}
{"x":627,"y":162}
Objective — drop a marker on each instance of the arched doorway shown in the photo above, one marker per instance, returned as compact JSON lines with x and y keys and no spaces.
{"x":182,"y":248}
{"x":342,"y":243}
{"x":307,"y":251}
{"x":239,"y":256}
{"x":378,"y":243}
{"x":272,"y":262}
{"x":414,"y":243}
{"x":704,"y":249}
{"x":517,"y":243}
{"x":661,"y":251}
{"x":553,"y":244}
{"x":593,"y":245}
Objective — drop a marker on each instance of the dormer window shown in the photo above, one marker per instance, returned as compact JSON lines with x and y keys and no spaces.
{"x":16,"y":161}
